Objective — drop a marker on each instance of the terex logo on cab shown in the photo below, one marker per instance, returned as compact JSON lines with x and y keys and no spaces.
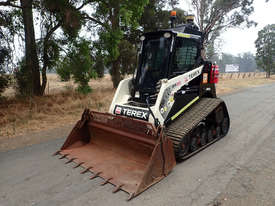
{"x":132,"y":112}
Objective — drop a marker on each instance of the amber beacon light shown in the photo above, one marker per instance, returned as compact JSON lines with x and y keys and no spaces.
{"x":173,"y":13}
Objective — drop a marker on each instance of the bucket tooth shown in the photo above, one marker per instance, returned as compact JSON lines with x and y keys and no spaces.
{"x":117,"y":188}
{"x":106,"y":181}
{"x":56,"y":153}
{"x":63,"y":156}
{"x":78,"y":165}
{"x":70,"y":160}
{"x":86,"y":170}
{"x":95,"y":175}
{"x":131,"y":196}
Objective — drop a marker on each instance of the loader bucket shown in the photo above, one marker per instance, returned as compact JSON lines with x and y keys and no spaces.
{"x":130,"y":154}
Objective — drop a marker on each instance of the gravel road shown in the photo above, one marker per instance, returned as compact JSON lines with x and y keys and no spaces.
{"x":237,"y":170}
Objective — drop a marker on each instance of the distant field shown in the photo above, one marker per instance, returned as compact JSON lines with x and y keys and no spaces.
{"x":242,"y":75}
{"x":227,"y":84}
{"x":55,"y":86}
{"x":62,"y":105}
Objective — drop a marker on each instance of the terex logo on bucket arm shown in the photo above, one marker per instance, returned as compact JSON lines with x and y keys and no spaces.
{"x":132,"y":112}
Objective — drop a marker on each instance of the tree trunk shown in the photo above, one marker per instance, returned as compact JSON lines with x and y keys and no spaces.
{"x":44,"y":79}
{"x":45,"y":65}
{"x":114,"y":14}
{"x":30,"y":47}
{"x":46,"y":57}
{"x":116,"y":77}
{"x":268,"y":71}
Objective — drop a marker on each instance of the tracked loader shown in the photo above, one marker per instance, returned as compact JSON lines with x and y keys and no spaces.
{"x":165,"y":113}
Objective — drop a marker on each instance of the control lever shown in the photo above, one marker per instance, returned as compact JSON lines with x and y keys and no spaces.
{"x":157,"y":123}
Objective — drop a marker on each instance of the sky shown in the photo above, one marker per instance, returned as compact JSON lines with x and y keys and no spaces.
{"x":240,"y":40}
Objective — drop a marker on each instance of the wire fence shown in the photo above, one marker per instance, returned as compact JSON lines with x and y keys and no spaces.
{"x":242,"y":75}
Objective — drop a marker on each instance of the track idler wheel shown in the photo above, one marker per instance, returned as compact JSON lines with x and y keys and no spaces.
{"x":210,"y":135}
{"x":195,"y":139}
{"x":184,"y":146}
{"x":203,"y":136}
{"x":218,"y":132}
{"x":225,"y":126}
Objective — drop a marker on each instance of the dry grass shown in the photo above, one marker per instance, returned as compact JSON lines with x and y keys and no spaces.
{"x":230,"y":85}
{"x":62,"y":106}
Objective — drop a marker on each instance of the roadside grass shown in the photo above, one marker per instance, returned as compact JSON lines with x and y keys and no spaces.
{"x":232,"y":85}
{"x":62,"y":105}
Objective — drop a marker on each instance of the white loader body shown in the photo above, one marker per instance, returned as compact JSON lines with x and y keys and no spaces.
{"x":164,"y":103}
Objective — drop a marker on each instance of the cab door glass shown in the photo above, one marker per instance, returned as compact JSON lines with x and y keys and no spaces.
{"x":185,"y":55}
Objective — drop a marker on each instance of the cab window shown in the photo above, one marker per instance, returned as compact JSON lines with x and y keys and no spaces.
{"x":185,"y":55}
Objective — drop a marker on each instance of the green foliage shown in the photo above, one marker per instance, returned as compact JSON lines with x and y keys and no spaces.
{"x":81,"y":64}
{"x":116,"y":17}
{"x":265,"y":45}
{"x":155,"y":17}
{"x":4,"y":82}
{"x":4,"y":78}
{"x":23,"y":77}
{"x":72,"y":22}
{"x":63,"y":70}
{"x":127,"y":58}
{"x":119,"y":25}
{"x":111,"y":41}
{"x":4,"y":55}
{"x":55,"y":6}
{"x":99,"y":66}
{"x":84,"y":89}
{"x":66,"y":14}
{"x":49,"y":16}
{"x":49,"y":53}
{"x":99,"y":58}
{"x":53,"y":53}
{"x":78,"y":64}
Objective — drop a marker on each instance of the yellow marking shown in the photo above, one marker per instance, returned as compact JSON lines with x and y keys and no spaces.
{"x":184,"y":108}
{"x":184,"y":35}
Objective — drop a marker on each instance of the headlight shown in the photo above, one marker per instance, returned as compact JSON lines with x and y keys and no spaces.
{"x":142,"y":38}
{"x":167,"y":35}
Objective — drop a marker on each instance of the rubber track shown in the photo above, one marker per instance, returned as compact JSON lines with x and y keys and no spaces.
{"x":189,"y":120}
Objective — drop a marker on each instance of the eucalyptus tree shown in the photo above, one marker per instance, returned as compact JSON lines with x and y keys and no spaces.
{"x":265,"y":44}
{"x":114,"y":18}
{"x":4,"y":79}
{"x":215,"y":16}
{"x":5,"y":49}
{"x":63,"y":17}
{"x":42,"y":53}
{"x":155,"y":17}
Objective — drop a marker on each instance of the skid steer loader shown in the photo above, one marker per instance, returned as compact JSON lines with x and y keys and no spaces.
{"x":165,"y":113}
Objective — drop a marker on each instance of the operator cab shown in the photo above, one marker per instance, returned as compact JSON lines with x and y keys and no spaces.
{"x":164,"y":55}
